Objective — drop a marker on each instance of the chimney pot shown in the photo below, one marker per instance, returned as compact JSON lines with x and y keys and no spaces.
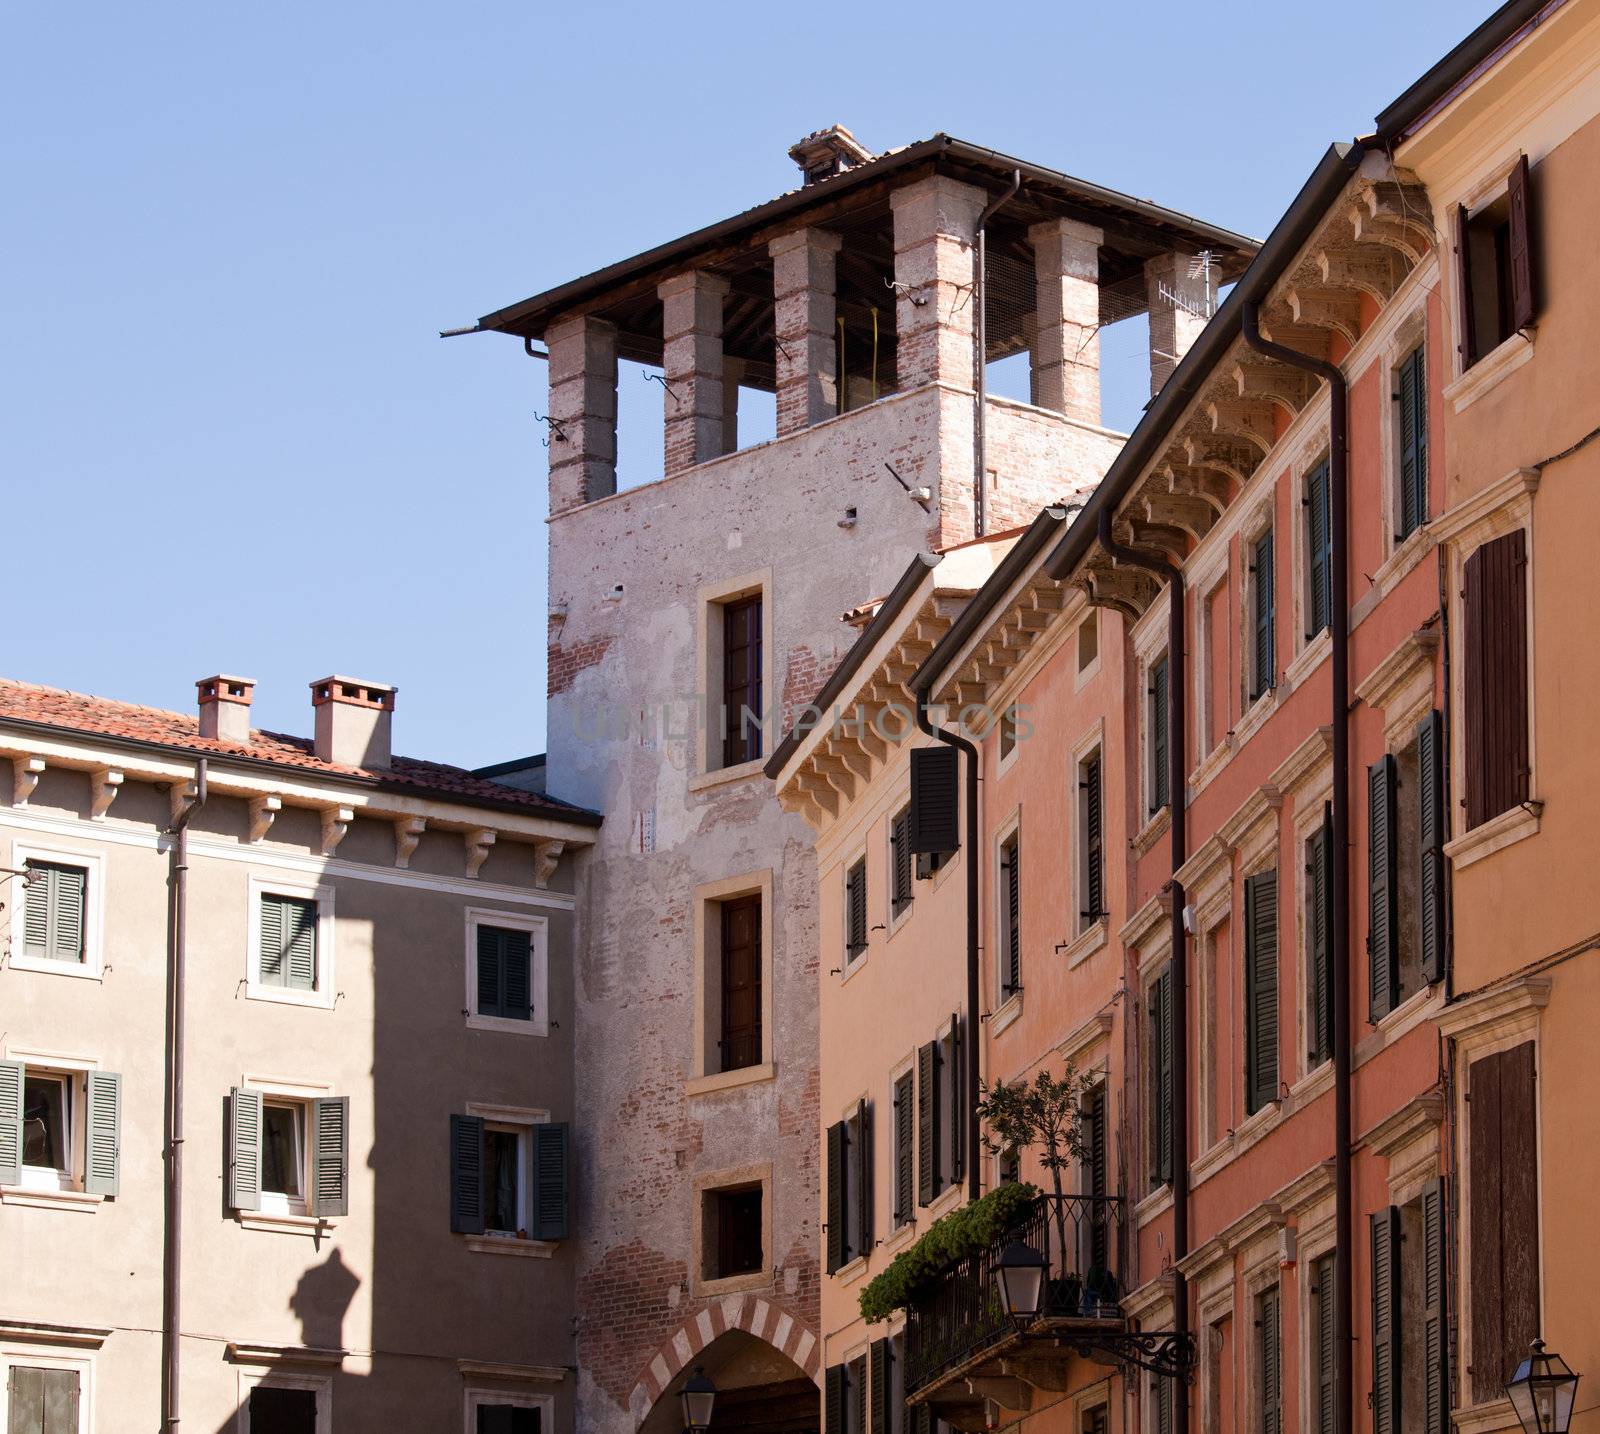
{"x":353,"y":721}
{"x":827,"y":152}
{"x":225,"y":707}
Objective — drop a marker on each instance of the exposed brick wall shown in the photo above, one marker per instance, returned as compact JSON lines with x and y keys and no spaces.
{"x":566,"y":662}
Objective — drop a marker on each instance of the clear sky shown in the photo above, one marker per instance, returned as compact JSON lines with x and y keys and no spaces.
{"x":232,"y":440}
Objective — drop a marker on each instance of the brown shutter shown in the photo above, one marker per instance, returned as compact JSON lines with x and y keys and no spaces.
{"x":1261,"y":989}
{"x":740,"y":1042}
{"x":833,"y":1399}
{"x":935,"y":800}
{"x":1496,"y":706}
{"x":1466,"y":340}
{"x":837,"y":1217}
{"x":1094,"y":842}
{"x":855,"y":893}
{"x":1435,"y":1325}
{"x":905,"y":1151}
{"x":1324,"y":1347}
{"x":1430,"y":844}
{"x":953,"y":1086}
{"x":1385,"y":1226}
{"x":1521,"y":258}
{"x":1271,"y":1372}
{"x":927,"y":1122}
{"x":1383,"y":934}
{"x":879,"y":1361}
{"x":863,"y":1191}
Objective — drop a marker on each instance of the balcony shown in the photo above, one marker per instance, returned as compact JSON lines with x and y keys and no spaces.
{"x":964,"y":1353}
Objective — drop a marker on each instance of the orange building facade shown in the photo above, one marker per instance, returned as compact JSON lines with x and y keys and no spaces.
{"x":1276,"y":743}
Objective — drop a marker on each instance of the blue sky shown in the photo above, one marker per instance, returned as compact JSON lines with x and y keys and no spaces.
{"x":232,"y":439}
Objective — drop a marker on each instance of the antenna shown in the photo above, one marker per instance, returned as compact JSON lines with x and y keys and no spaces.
{"x":1201,"y":267}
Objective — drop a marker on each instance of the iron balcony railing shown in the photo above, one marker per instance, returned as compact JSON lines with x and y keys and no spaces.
{"x":1082,"y":1239}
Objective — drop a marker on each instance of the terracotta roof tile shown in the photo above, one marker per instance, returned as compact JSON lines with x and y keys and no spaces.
{"x":100,"y":716}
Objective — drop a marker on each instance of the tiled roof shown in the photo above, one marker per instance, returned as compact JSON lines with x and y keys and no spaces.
{"x":127,"y":721}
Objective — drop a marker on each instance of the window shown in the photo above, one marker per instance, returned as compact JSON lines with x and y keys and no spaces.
{"x":1096,"y":1420}
{"x":54,"y":903}
{"x":43,"y":1398}
{"x":1262,"y":675}
{"x":1319,"y":943}
{"x":844,"y":1398}
{"x":1008,"y":732}
{"x":1323,"y":1344}
{"x":855,"y":911}
{"x":742,"y":705}
{"x":1156,"y":704}
{"x":1319,"y":550}
{"x":1269,"y":1363}
{"x":1091,"y":842}
{"x":1008,"y":1167}
{"x":950,"y":1074}
{"x":1095,"y":1177}
{"x":288,"y":1155}
{"x":1261,"y":989}
{"x":1502,"y":1200}
{"x":291,"y":944}
{"x":508,"y":1175}
{"x":739,"y":1045}
{"x":849,"y":1193}
{"x":887,"y":1361}
{"x":905,"y":1150}
{"x":736,"y":1247}
{"x":499,"y":1412}
{"x":1495,"y":709}
{"x":1411,"y":400}
{"x":59,"y":1129}
{"x":1161,"y":1396}
{"x":275,"y":1410}
{"x":1158,"y":1058}
{"x":939,"y":1113}
{"x":1409,"y":1330}
{"x":1495,"y":268}
{"x":1088,"y":641}
{"x":901,"y":863}
{"x":507,"y":972}
{"x":1405,"y":875}
{"x":1010,"y":945}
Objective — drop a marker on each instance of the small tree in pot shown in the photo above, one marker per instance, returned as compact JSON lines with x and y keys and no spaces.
{"x":1045,"y":1114}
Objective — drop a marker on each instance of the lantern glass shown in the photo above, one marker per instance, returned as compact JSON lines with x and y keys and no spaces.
{"x":699,"y":1395}
{"x":1019,"y":1280}
{"x":1542,"y":1392}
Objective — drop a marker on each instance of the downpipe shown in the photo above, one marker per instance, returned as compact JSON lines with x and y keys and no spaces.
{"x":1339,"y":634}
{"x":1177,"y":798}
{"x":980,"y":360}
{"x":970,"y":753}
{"x":177,"y":963}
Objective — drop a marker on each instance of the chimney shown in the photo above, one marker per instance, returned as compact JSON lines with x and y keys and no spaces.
{"x":225,"y":707}
{"x":828,"y":152}
{"x":353,"y":721}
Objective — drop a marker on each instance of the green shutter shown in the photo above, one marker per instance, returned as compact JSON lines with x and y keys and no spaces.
{"x":833,"y":1419}
{"x":11,"y":1079}
{"x":1383,"y":933}
{"x":489,"y":964}
{"x":272,"y":968}
{"x":1386,"y":1321}
{"x":954,"y":1089}
{"x":1262,"y":677}
{"x":1319,"y":553}
{"x":837,"y":1217}
{"x":858,"y":1394}
{"x":36,"y":910}
{"x":1430,"y":843}
{"x":53,"y":911}
{"x":905,"y":1151}
{"x":300,"y":944}
{"x":551,"y":1182}
{"x":927,"y":1123}
{"x":103,"y":1142}
{"x":466,"y":1174}
{"x":330,"y":1156}
{"x":1413,"y":401}
{"x":900,"y":845}
{"x":856,"y":909}
{"x":1011,"y":874}
{"x":1161,"y":1077}
{"x":1319,"y":871}
{"x":1158,"y":736}
{"x":516,"y":979}
{"x":1435,"y":1326}
{"x":244,"y":1149}
{"x":880,"y":1386}
{"x":1271,"y":1338}
{"x":863,"y":1191}
{"x":1323,"y":1347}
{"x":1094,"y":842}
{"x":42,"y":1401}
{"x":1261,"y":989}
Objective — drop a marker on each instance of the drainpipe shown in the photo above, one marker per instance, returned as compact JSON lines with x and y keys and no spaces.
{"x":177,"y":957}
{"x":980,"y":487}
{"x":1177,"y":797}
{"x":1339,"y":633}
{"x":970,"y":752}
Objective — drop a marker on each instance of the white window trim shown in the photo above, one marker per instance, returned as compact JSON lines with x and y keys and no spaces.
{"x":276,"y":1209}
{"x":1203,"y":581}
{"x":14,"y":1355}
{"x":45,"y":1179}
{"x":476,"y":1396}
{"x":1211,"y":1073}
{"x":520,"y":1120}
{"x":538,"y":929}
{"x":320,"y":1384}
{"x":322,"y":995}
{"x":278,"y":1202}
{"x":92,"y":967}
{"x":46,"y":1188}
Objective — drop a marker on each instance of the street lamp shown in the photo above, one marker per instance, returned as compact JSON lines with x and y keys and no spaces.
{"x":1019,"y":1279}
{"x":699,"y":1394}
{"x":1542,"y":1392}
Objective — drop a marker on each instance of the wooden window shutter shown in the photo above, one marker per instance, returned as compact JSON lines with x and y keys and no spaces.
{"x":955,"y":1069}
{"x":1413,"y":401}
{"x":935,"y":800}
{"x":466,"y":1174}
{"x":1317,"y":548}
{"x":53,"y":911}
{"x":1435,"y":1326}
{"x":1094,"y":842}
{"x":1523,"y":295}
{"x":489,"y":963}
{"x":1158,"y":736}
{"x":858,"y":1396}
{"x":1502,"y":1152}
{"x":1261,"y":988}
{"x":1161,"y":1078}
{"x":1496,"y":679}
{"x":42,"y":1400}
{"x":1430,"y":844}
{"x":1323,"y":1345}
{"x":1385,"y":1227}
{"x":1095,"y":1173}
{"x":879,"y":1362}
{"x":551,"y":1180}
{"x":330,"y":1156}
{"x":1271,"y":1373}
{"x":1383,"y":933}
{"x":741,"y":681}
{"x":1011,"y":874}
{"x":838,"y":1218}
{"x":1163,"y":1389}
{"x":516,"y":980}
{"x":1467,"y":340}
{"x":833,"y":1417}
{"x":740,"y":1043}
{"x":300,"y":944}
{"x":36,"y":909}
{"x":1320,"y":880}
{"x":905,"y":1159}
{"x":102,"y":1159}
{"x":863,"y":1192}
{"x":272,"y":970}
{"x":244,"y":1149}
{"x":11,"y":1084}
{"x":1263,"y":677}
{"x":927,"y":1123}
{"x":855,"y":900}
{"x":900,"y":860}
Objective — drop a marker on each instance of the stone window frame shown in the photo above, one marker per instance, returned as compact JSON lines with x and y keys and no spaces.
{"x":1315,"y":788}
{"x":1149,"y":645}
{"x":538,"y":929}
{"x":1411,"y":332}
{"x":1260,"y":1270}
{"x":1261,"y":519}
{"x":1309,"y":454}
{"x":710,"y":1182}
{"x":893,"y":921}
{"x":1203,"y":581}
{"x":67,"y":1188}
{"x":1084,"y":673}
{"x":92,"y":967}
{"x":322,"y":895}
{"x":703,"y":1080}
{"x":1087,"y":938}
{"x":15,"y":1353}
{"x":1313,"y":1240}
{"x":476,"y":1395}
{"x":1007,"y":1006}
{"x":321,"y":1384}
{"x":290,"y":1214}
{"x":706,"y":769}
{"x":903,"y":1069}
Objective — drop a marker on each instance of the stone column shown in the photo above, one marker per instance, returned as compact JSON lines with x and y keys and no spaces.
{"x":691,"y":326}
{"x":732,"y":377}
{"x":1173,"y":328}
{"x":1066,"y":337}
{"x":583,"y":411}
{"x":803,"y":286}
{"x":935,"y":224}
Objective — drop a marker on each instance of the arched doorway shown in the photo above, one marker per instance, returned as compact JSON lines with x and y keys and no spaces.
{"x":760,"y":1390}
